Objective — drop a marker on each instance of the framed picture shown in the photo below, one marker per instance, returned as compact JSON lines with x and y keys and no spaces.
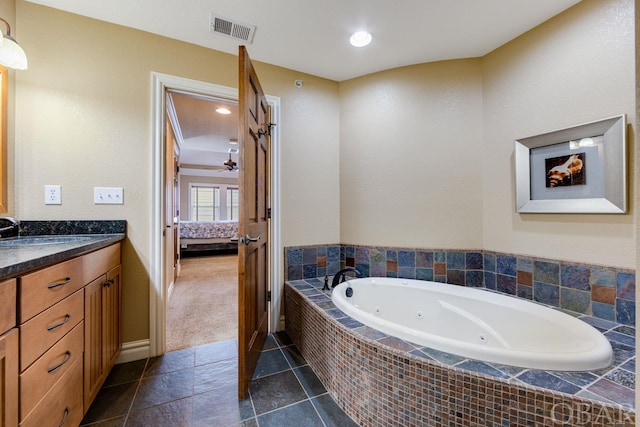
{"x":581,"y":169}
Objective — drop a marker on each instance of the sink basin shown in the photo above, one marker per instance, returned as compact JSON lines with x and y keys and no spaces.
{"x":12,"y":242}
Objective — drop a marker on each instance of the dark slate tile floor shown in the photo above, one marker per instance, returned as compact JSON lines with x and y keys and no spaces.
{"x":197,"y":387}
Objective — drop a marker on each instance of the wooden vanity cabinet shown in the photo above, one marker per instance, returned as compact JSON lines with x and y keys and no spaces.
{"x":70,"y":323}
{"x":103,"y":318}
{"x":9,"y":354}
{"x":51,"y":306}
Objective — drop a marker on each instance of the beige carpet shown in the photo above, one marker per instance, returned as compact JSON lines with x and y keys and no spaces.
{"x":203,"y":307}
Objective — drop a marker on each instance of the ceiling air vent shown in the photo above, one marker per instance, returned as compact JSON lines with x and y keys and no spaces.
{"x":233,"y":29}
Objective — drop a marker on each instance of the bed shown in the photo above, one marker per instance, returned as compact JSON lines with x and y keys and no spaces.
{"x":207,"y":236}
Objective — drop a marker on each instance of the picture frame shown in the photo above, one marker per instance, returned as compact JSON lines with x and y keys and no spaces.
{"x":581,"y":169}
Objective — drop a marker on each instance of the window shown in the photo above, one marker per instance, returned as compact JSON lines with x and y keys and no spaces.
{"x":205,"y":203}
{"x":233,"y":203}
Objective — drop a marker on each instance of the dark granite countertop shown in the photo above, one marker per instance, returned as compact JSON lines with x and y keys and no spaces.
{"x":20,"y":259}
{"x":17,"y":260}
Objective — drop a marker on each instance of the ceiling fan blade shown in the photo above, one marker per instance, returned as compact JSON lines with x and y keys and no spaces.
{"x":201,"y":167}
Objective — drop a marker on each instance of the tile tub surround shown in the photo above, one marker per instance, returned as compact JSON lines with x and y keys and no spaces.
{"x":380,"y":380}
{"x":601,"y":291}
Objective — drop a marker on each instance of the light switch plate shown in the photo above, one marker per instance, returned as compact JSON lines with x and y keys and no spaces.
{"x":52,"y":195}
{"x":108,"y":196}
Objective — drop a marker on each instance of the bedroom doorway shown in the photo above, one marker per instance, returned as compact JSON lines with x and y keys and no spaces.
{"x":202,"y":306}
{"x":159,"y":278}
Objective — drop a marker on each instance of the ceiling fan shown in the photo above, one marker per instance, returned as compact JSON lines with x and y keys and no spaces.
{"x":230,"y":164}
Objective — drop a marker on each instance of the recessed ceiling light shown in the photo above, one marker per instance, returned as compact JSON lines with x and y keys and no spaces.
{"x":360,"y":39}
{"x":223,"y":110}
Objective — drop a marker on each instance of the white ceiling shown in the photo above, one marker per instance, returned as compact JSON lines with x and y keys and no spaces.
{"x":312,"y":36}
{"x":205,"y":136}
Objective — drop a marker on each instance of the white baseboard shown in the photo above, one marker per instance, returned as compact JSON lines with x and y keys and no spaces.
{"x":134,"y":350}
{"x":137,"y":350}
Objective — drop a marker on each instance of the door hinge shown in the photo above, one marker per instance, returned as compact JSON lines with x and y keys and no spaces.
{"x":268,"y":212}
{"x":268,"y":295}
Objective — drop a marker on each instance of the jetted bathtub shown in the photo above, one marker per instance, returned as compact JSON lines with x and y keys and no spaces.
{"x":474,"y":323}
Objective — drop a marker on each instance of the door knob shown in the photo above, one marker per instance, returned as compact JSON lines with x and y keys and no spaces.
{"x":248,"y":239}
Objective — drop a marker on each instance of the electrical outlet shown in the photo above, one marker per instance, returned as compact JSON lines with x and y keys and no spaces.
{"x":52,"y":195}
{"x":108,"y":196}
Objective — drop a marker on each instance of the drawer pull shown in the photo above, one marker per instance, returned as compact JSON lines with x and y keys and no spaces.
{"x":67,"y":412}
{"x":67,"y":356}
{"x":57,"y":325}
{"x":60,"y":283}
{"x":108,"y":283}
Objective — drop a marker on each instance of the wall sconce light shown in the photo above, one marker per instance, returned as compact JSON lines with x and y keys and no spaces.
{"x":11,"y":54}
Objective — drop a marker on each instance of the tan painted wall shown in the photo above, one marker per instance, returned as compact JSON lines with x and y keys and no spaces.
{"x":8,"y":13}
{"x":83,"y":120}
{"x":575,"y":68}
{"x":427,"y":150}
{"x":410,"y":144}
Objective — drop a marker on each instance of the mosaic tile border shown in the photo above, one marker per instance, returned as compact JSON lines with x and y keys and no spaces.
{"x":601,"y":291}
{"x":380,"y":380}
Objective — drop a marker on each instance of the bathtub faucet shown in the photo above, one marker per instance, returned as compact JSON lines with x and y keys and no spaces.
{"x":340,"y":276}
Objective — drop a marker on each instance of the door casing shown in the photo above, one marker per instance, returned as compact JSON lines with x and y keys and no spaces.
{"x":157,"y":271}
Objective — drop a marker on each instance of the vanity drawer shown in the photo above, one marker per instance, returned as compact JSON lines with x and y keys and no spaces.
{"x":43,"y":288}
{"x":62,"y":405}
{"x":7,"y":305}
{"x":44,"y":330}
{"x":48,"y":369}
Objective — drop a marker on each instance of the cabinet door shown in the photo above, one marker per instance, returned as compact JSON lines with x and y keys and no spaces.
{"x":103,"y":330}
{"x":112,"y":318}
{"x":9,"y":379}
{"x":94,"y":374}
